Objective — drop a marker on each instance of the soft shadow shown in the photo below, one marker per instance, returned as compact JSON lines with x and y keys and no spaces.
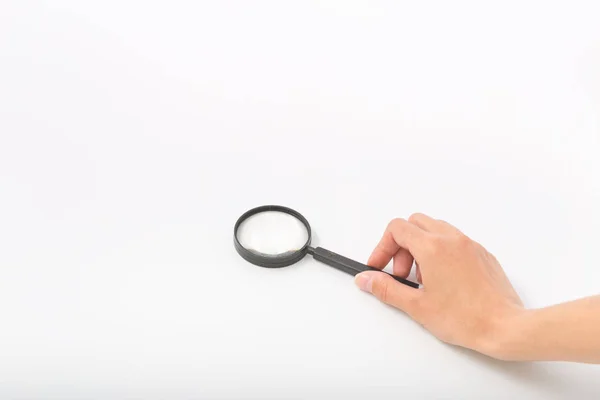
{"x":534,"y":374}
{"x":539,"y":375}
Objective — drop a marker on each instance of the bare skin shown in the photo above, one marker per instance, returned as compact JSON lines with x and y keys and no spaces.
{"x":466,"y":300}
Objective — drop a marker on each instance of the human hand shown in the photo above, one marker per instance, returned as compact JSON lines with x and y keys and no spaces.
{"x":465,"y":298}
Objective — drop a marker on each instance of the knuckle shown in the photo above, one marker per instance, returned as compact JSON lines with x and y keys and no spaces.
{"x":416,"y":217}
{"x":395,"y":222}
{"x":463,"y":241}
{"x":435,"y":245}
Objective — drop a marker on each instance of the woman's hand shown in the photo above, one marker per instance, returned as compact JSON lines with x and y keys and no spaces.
{"x":465,"y":298}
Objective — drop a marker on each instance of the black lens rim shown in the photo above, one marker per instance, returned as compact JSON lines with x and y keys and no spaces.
{"x":272,"y":261}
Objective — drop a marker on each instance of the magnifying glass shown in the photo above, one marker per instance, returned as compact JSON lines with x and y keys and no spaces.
{"x":276,"y":236}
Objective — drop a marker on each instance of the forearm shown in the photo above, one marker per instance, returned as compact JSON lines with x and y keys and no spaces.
{"x":563,"y":332}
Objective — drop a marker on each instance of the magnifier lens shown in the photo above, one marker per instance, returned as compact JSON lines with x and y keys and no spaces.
{"x":272,"y":233}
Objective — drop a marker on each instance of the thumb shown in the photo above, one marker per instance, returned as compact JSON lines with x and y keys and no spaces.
{"x":390,"y":291}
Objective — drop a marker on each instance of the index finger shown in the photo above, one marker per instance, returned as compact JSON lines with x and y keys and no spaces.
{"x":398,"y":234}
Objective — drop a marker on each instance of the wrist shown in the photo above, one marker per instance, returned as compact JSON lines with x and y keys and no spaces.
{"x":508,"y":336}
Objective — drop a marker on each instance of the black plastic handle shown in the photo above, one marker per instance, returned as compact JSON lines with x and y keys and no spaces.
{"x":349,"y":266}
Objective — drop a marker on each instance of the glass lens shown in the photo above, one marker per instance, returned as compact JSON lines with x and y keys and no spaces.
{"x":272,"y":233}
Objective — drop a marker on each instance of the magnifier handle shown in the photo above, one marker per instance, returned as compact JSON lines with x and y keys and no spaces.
{"x":350,"y":266}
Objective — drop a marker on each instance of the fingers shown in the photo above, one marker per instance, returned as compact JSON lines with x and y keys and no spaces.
{"x":433,"y":225}
{"x":423,"y":221}
{"x":384,"y":251}
{"x":403,"y":262}
{"x":400,"y":234}
{"x":391,"y":292}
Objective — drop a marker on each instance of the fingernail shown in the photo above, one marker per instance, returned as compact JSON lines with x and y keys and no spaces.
{"x":364,"y":282}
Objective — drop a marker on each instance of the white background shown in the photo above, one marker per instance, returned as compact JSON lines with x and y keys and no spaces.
{"x":134,"y":133}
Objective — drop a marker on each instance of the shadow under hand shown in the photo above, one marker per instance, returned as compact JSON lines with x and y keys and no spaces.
{"x":533,"y":374}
